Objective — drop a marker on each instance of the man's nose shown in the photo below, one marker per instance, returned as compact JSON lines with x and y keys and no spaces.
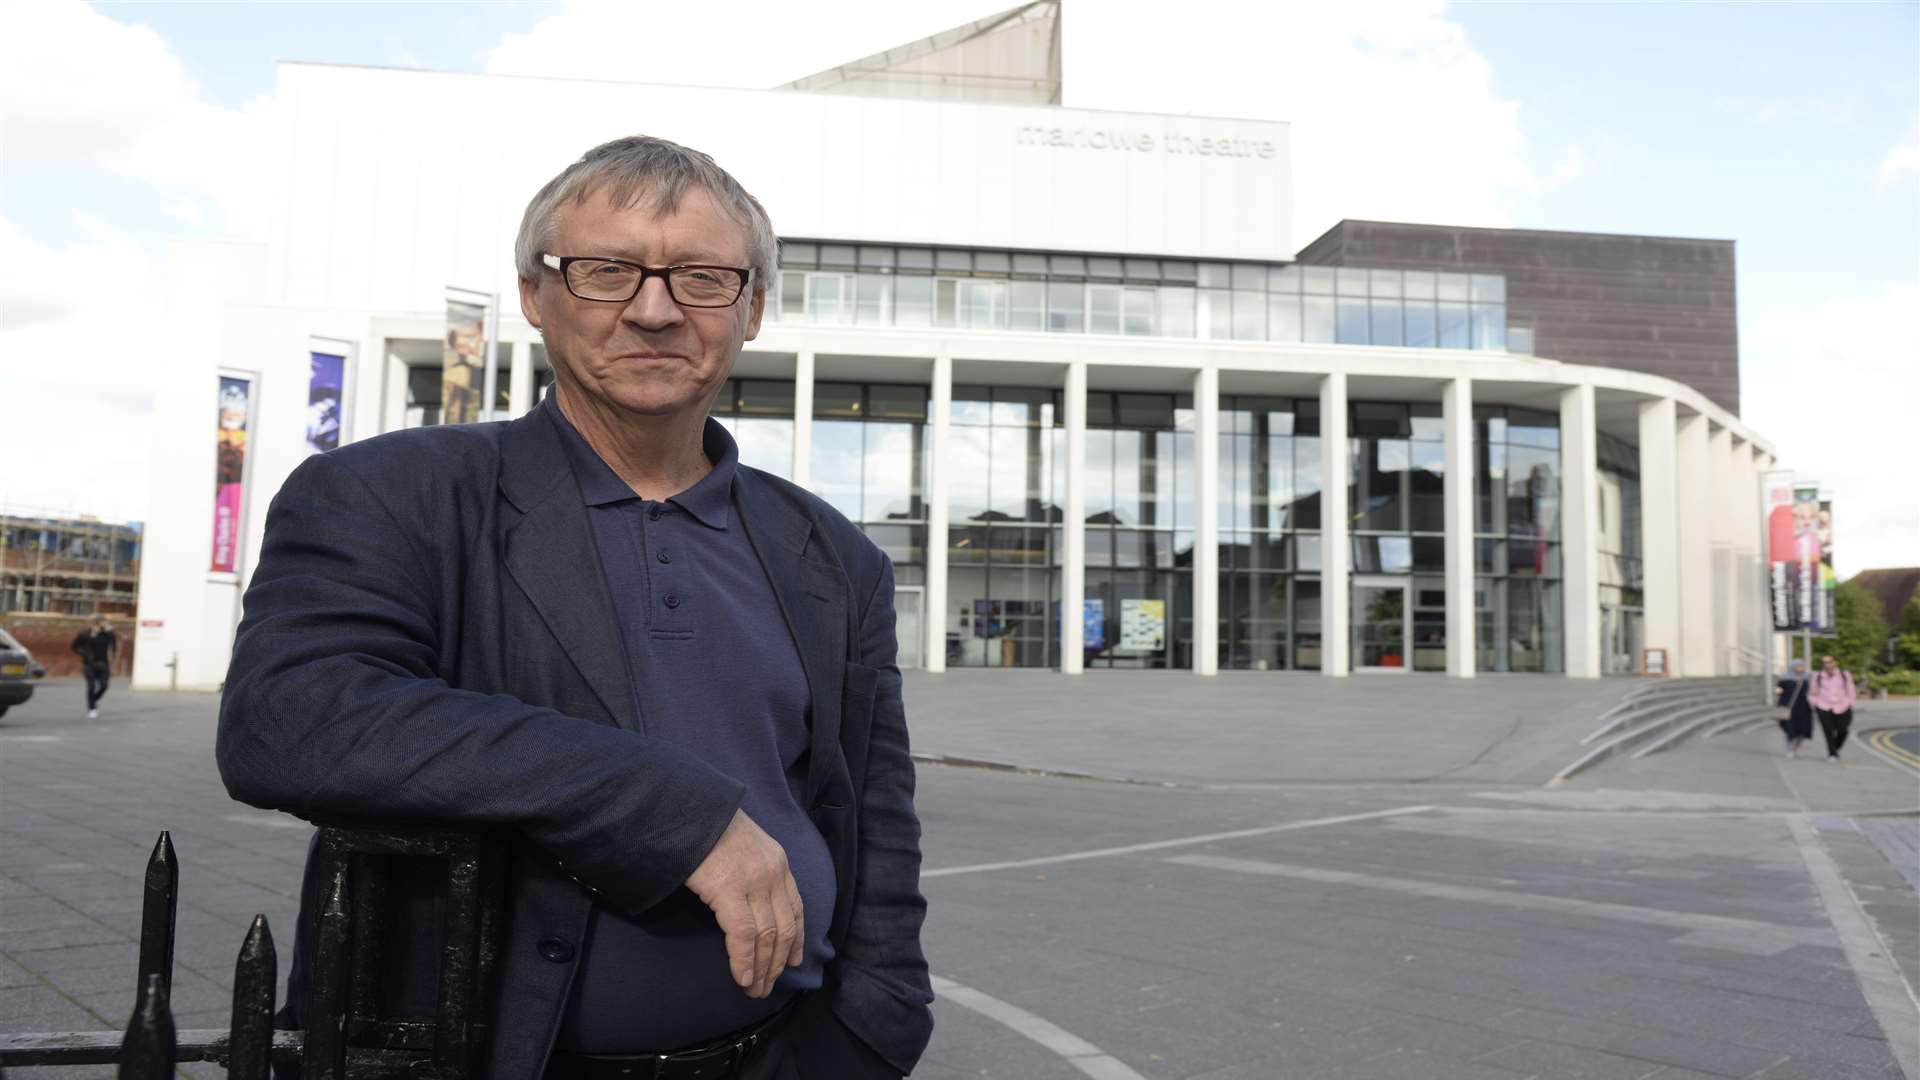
{"x":653,"y":306}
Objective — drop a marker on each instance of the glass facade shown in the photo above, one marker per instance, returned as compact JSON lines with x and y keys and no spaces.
{"x":1396,"y":460}
{"x":1517,"y":597}
{"x":1003,"y":547}
{"x":759,"y":412}
{"x":1622,"y":597}
{"x":1139,"y":531}
{"x":1269,"y":521}
{"x":848,"y":285}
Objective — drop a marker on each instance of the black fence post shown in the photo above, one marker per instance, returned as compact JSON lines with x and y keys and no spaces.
{"x":255,"y":981}
{"x":147,"y":1051}
{"x":325,"y":1056}
{"x":162,"y":889}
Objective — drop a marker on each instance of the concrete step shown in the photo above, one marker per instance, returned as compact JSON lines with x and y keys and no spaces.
{"x":1658,"y":718}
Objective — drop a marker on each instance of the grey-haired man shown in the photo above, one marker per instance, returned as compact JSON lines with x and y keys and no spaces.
{"x":671,"y":674}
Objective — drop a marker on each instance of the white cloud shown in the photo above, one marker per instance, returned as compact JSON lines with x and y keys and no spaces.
{"x":1902,"y":161}
{"x":78,"y":325}
{"x":1834,"y":386}
{"x":761,"y":43}
{"x":1394,"y":113}
{"x":81,"y":88}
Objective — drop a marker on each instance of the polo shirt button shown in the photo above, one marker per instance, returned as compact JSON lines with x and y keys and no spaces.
{"x":665,"y":557}
{"x":558,"y":950}
{"x":653,"y":514}
{"x":672,"y":600}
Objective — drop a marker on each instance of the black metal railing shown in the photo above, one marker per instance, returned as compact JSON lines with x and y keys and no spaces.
{"x":346,"y":1034}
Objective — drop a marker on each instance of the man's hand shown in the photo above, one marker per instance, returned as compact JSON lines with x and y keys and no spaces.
{"x":745,"y":880}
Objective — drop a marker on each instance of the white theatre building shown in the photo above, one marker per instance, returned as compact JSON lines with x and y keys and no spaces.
{"x":1057,"y":362}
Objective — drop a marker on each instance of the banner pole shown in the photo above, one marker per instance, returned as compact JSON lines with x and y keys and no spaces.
{"x":490,"y":353}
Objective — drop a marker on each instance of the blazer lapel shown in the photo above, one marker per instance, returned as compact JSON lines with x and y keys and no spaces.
{"x":812,"y":592}
{"x":551,"y":555}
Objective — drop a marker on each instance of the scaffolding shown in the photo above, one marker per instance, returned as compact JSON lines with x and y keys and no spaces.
{"x":68,"y":565}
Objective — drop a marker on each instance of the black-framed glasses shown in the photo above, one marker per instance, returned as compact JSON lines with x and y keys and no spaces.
{"x":616,"y":281}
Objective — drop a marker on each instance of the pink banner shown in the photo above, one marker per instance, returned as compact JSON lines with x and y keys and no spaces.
{"x":229,"y":471}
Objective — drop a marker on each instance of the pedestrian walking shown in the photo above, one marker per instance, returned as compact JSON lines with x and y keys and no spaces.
{"x":1830,"y":692}
{"x":97,"y":646}
{"x":1791,"y":694}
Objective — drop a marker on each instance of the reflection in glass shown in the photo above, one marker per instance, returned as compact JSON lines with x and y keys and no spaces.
{"x":1422,"y":327}
{"x":1176,"y":311}
{"x":1066,"y":307}
{"x":912,"y":301}
{"x":1317,"y":315}
{"x":1455,"y":332}
{"x":1352,"y":328}
{"x":1385,"y":321}
{"x":836,"y":462}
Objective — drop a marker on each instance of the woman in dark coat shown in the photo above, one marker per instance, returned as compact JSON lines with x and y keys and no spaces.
{"x":1791,"y":693}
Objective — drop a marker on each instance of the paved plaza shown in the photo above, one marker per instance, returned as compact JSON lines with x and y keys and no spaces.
{"x":1148,"y":875}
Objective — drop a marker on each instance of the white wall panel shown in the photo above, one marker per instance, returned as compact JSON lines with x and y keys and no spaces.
{"x":431,"y":171}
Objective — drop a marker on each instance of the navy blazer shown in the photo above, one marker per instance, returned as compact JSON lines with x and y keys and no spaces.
{"x":428,"y":637}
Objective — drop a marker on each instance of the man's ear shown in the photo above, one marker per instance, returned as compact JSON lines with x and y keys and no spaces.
{"x":530,"y":301}
{"x":756,"y":309}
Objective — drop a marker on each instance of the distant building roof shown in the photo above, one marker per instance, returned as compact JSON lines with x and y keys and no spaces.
{"x":1894,"y":587}
{"x":1012,"y":58}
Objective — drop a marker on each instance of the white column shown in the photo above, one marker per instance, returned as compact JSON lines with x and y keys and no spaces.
{"x":1073,"y":525}
{"x":934,"y":615}
{"x":1456,"y":416}
{"x":1580,"y":530}
{"x":1206,"y":521}
{"x":520,"y":380}
{"x":1659,"y":535}
{"x":1726,"y":652}
{"x":1750,"y":576}
{"x":1336,"y":548}
{"x":803,"y":418}
{"x":1693,"y":493}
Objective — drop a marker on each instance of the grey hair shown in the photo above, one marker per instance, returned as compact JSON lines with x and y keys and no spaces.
{"x":641,"y":169}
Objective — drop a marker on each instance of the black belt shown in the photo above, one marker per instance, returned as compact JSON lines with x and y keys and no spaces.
{"x":720,"y":1059}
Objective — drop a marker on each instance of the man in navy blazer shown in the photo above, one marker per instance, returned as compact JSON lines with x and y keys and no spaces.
{"x":670,"y":677}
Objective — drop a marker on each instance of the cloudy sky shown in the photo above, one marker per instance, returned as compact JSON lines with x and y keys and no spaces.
{"x":1791,"y":129}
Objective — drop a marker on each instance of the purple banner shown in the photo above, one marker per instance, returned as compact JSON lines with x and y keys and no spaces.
{"x":326,"y":378}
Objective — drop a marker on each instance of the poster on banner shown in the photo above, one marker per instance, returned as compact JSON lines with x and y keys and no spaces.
{"x":1094,"y":619}
{"x":1826,"y":582}
{"x":1782,"y":569}
{"x":462,"y":371}
{"x":326,"y":380}
{"x":1809,"y":609}
{"x":234,"y":408}
{"x":1143,"y":624}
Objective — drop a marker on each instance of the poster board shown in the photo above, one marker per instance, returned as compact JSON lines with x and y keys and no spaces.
{"x":1653,"y":661}
{"x":1143,"y":624}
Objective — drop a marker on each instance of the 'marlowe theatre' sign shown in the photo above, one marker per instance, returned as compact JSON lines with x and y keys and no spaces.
{"x":1145,"y":142}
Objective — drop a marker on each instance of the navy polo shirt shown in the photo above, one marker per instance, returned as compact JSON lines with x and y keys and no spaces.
{"x":713,"y":670}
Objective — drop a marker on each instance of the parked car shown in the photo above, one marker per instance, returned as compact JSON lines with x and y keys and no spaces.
{"x":17,"y":671}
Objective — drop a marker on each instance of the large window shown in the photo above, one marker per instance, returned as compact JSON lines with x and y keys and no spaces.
{"x":870,"y":461}
{"x":759,"y":412}
{"x":1139,"y":531}
{"x":1003,"y":543}
{"x":1396,"y":458}
{"x":1090,"y":294}
{"x":1517,"y":599}
{"x":1269,"y":514}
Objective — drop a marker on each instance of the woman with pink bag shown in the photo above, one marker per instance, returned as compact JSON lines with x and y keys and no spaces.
{"x":1831,"y":694}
